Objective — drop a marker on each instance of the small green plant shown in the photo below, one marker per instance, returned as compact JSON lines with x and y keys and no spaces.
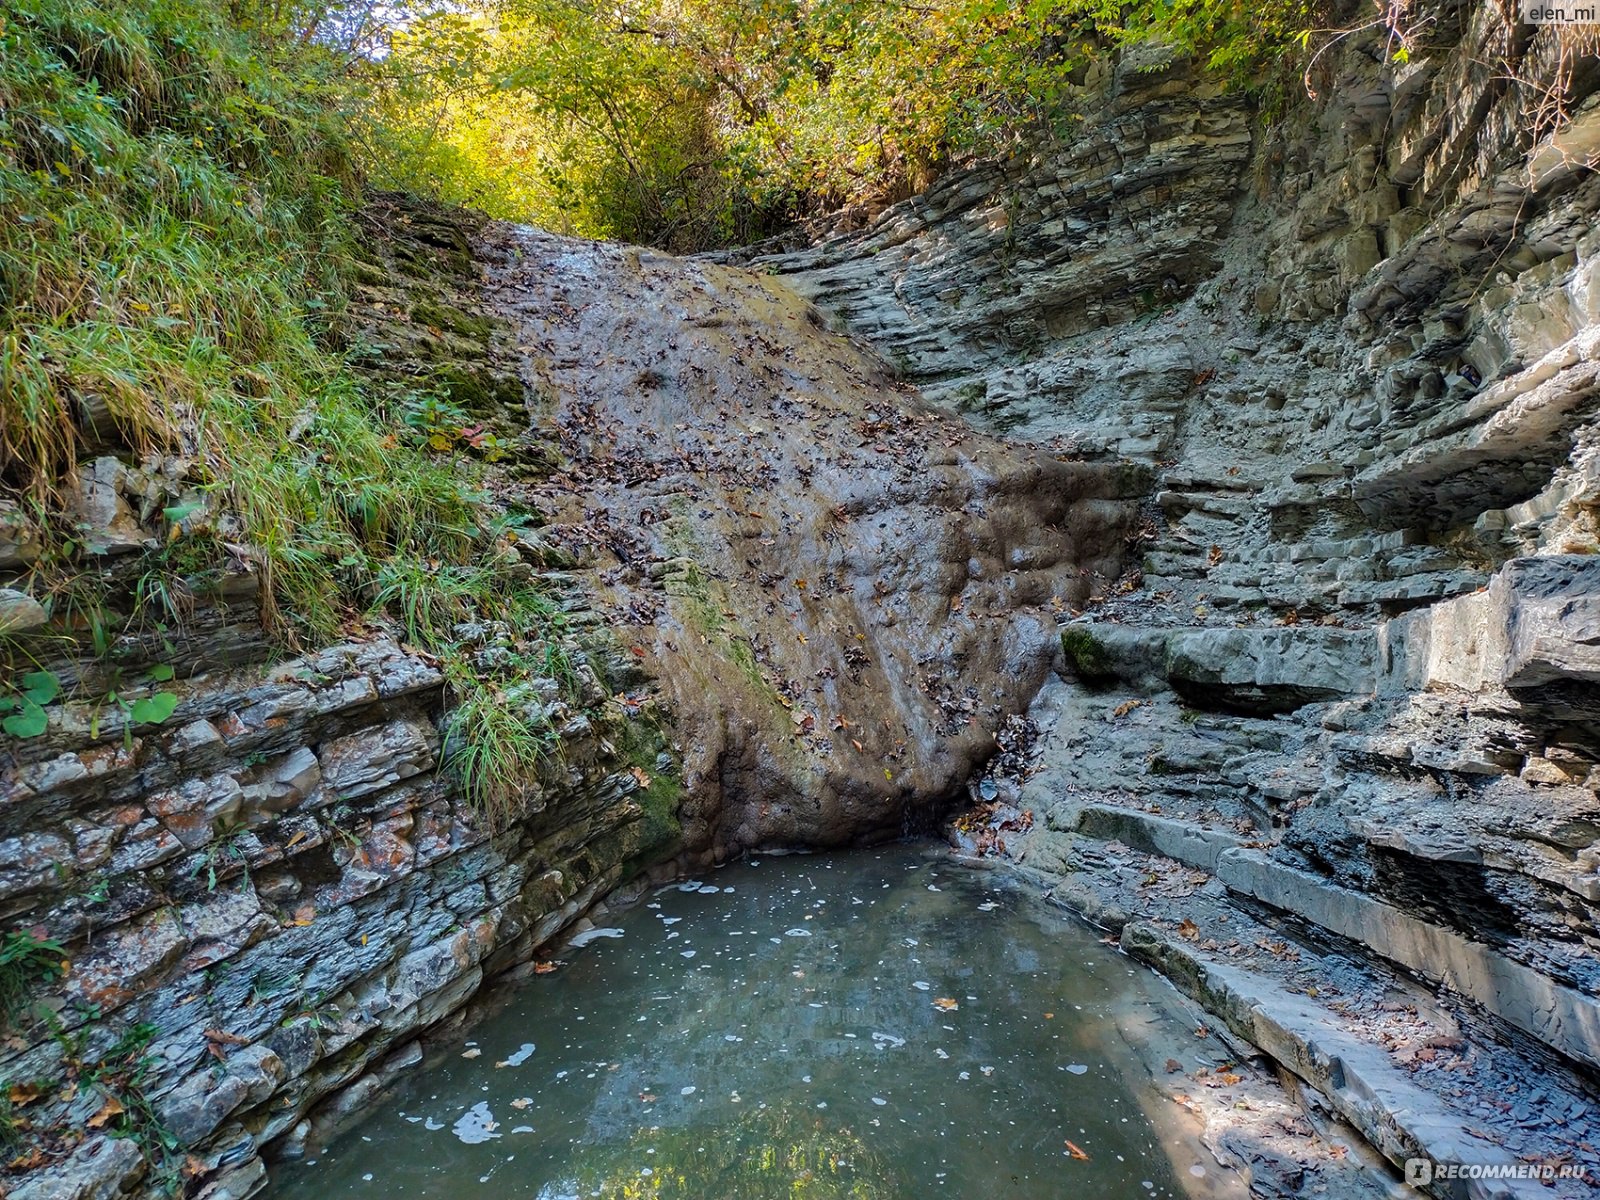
{"x":25,"y":705}
{"x":314,"y":1009}
{"x":495,"y":740}
{"x":152,"y":709}
{"x":123,"y":1077}
{"x":225,"y":849}
{"x":445,"y":428}
{"x":96,"y":893}
{"x":340,"y":817}
{"x":271,"y":982}
{"x":27,"y":959}
{"x":10,"y":1124}
{"x":175,"y":576}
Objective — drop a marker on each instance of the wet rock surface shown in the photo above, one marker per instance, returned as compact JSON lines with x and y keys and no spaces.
{"x":843,"y":590}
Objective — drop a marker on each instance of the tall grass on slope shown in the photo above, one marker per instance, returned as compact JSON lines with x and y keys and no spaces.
{"x":173,"y":201}
{"x":174,"y":214}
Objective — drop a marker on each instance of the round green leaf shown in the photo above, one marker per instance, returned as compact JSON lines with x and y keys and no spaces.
{"x":40,"y":686}
{"x":178,"y":512}
{"x":30,"y":722}
{"x":153,"y":710}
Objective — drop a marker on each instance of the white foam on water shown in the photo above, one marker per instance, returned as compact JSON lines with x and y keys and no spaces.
{"x":477,"y":1125}
{"x":589,"y":935}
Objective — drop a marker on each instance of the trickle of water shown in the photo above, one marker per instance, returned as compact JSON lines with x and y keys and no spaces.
{"x":871,"y":1026}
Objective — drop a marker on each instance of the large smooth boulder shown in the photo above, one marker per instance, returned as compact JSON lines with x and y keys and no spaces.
{"x":844,"y":590}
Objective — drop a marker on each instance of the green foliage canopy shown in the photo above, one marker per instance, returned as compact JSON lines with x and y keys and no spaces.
{"x":695,"y":123}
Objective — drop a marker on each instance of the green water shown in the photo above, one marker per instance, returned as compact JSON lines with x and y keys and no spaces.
{"x":869,"y":1025}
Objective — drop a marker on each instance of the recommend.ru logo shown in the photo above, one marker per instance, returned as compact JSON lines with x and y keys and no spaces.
{"x":1420,"y":1172}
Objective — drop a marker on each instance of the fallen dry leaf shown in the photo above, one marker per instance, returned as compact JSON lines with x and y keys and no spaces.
{"x":28,"y":1161}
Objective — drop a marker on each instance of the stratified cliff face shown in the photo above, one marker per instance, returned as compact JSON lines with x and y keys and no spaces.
{"x":267,"y":898}
{"x":1361,"y":351}
{"x":800,"y":606}
{"x":844,"y":592}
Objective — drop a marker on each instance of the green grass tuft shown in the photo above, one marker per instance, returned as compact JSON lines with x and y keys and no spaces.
{"x":27,"y":959}
{"x":497,"y":736}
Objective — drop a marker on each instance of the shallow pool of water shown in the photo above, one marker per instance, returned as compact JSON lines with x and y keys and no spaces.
{"x":872,"y":1025}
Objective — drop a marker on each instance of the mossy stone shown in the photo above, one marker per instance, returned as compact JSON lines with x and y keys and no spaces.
{"x":1088,"y":656}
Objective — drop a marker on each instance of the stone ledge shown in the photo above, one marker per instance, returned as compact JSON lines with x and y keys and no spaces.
{"x":1357,"y":1079}
{"x":1536,"y":624}
{"x":1558,"y":1016}
{"x":1180,"y":840}
{"x":1264,"y":670}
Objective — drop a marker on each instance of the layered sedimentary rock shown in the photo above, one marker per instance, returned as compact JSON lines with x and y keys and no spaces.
{"x":1329,"y":752}
{"x":1360,"y":351}
{"x":267,"y":897}
{"x":798,"y":605}
{"x":844,"y":591}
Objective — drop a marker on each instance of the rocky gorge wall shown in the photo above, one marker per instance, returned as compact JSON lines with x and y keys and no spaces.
{"x":1352,"y":685}
{"x":266,"y":896}
{"x":845,"y":593}
{"x":797,"y":606}
{"x":1247,"y":542}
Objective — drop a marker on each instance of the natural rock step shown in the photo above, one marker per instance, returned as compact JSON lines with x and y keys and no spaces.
{"x":1557,"y":1015}
{"x":1359,"y":1078}
{"x":1256,"y":669}
{"x":1412,"y":590}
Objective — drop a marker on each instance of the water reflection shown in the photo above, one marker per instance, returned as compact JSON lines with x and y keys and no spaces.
{"x":869,"y":1025}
